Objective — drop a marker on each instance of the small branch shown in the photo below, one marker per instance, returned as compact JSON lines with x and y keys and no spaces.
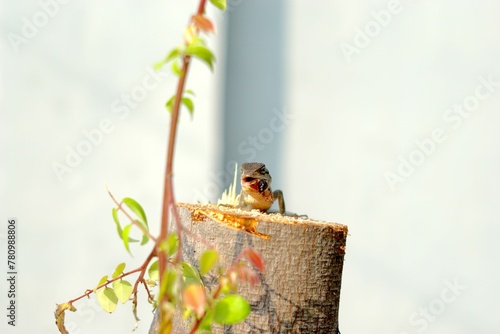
{"x":119,"y":205}
{"x":91,"y":291}
{"x":142,"y":268}
{"x":146,"y":287}
{"x":140,"y":278}
{"x":201,"y":7}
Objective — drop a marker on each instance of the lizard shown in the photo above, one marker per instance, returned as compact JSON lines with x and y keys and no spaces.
{"x":256,"y":190}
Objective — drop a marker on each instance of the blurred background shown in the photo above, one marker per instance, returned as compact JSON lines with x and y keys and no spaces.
{"x":380,"y":115}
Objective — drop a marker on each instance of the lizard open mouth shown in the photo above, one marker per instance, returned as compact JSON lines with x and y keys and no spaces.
{"x":249,"y":179}
{"x":254,"y":183}
{"x":250,"y":183}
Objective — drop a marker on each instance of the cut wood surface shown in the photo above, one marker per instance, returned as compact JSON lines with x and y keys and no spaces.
{"x":300,"y":289}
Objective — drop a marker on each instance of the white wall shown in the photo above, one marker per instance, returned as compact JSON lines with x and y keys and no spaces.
{"x":355,"y":116}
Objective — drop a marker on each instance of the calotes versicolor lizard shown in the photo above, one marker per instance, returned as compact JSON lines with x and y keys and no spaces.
{"x":256,"y":190}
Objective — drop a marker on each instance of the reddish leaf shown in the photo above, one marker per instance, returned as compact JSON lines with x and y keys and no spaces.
{"x":249,"y":275}
{"x":202,"y":23}
{"x":194,"y":297}
{"x":254,"y":258}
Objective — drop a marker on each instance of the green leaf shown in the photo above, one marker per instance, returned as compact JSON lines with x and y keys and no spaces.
{"x":173,"y":54}
{"x":190,"y":274}
{"x":197,"y":41}
{"x":170,"y":103}
{"x":143,"y":221}
{"x":107,"y":299}
{"x":231,"y":309}
{"x":172,"y":244}
{"x":176,"y":69}
{"x":153,"y":271}
{"x":145,"y":237}
{"x":189,"y":104}
{"x":118,"y":270}
{"x":150,"y":282}
{"x":208,"y":319}
{"x":126,"y":233}
{"x":114,"y":212}
{"x":201,"y":52}
{"x":221,"y":4}
{"x":190,"y":92}
{"x":123,"y":290}
{"x":118,"y":227}
{"x":185,"y":100}
{"x":103,"y":280}
{"x":136,"y":208}
{"x":158,"y":65}
{"x":208,"y":260}
{"x":170,"y":285}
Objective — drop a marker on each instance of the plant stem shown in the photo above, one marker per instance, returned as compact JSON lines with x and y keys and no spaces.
{"x":168,"y":189}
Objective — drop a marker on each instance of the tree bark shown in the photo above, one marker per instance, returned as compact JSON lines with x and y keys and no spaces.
{"x":300,"y":289}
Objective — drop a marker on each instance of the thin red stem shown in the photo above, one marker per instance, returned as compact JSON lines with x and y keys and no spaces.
{"x":168,"y":189}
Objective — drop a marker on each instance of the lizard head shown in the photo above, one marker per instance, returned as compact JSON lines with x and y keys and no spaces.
{"x":255,"y":177}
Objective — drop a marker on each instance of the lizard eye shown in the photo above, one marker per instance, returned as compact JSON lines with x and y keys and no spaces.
{"x":262,"y":185}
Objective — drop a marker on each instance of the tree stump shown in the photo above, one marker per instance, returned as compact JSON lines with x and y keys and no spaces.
{"x":300,"y":289}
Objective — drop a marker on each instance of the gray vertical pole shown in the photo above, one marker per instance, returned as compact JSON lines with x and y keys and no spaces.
{"x":253,"y":83}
